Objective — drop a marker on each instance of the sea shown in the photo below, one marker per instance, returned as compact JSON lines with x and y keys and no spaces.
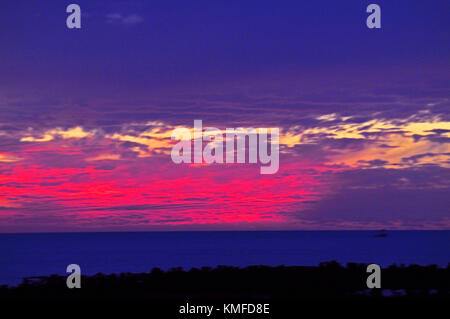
{"x":42,"y":254}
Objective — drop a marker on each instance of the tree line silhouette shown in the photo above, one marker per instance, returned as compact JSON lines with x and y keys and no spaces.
{"x":327,"y":280}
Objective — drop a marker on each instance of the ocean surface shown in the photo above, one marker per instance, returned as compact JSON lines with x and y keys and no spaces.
{"x":24,"y":255}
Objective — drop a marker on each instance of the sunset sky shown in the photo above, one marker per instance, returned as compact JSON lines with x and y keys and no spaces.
{"x":86,"y":115}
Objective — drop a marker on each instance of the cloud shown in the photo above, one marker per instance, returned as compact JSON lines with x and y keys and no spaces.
{"x":394,"y":142}
{"x":385,"y":198}
{"x":44,"y":138}
{"x":5,"y":158}
{"x":75,"y":132}
{"x":107,"y":160}
{"x":103,"y":157}
{"x":388,"y":141}
{"x":131,"y":19}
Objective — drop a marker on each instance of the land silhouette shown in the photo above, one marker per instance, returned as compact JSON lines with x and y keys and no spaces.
{"x":328,"y":280}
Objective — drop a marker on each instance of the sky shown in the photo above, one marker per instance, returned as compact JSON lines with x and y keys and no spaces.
{"x":86,"y":115}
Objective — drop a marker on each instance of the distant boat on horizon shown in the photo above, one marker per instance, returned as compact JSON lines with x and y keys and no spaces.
{"x":380,"y":234}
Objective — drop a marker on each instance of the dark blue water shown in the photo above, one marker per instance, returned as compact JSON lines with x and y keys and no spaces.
{"x":23,"y":255}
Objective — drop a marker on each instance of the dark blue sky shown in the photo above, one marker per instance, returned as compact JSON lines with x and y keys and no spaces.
{"x":182,"y":41}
